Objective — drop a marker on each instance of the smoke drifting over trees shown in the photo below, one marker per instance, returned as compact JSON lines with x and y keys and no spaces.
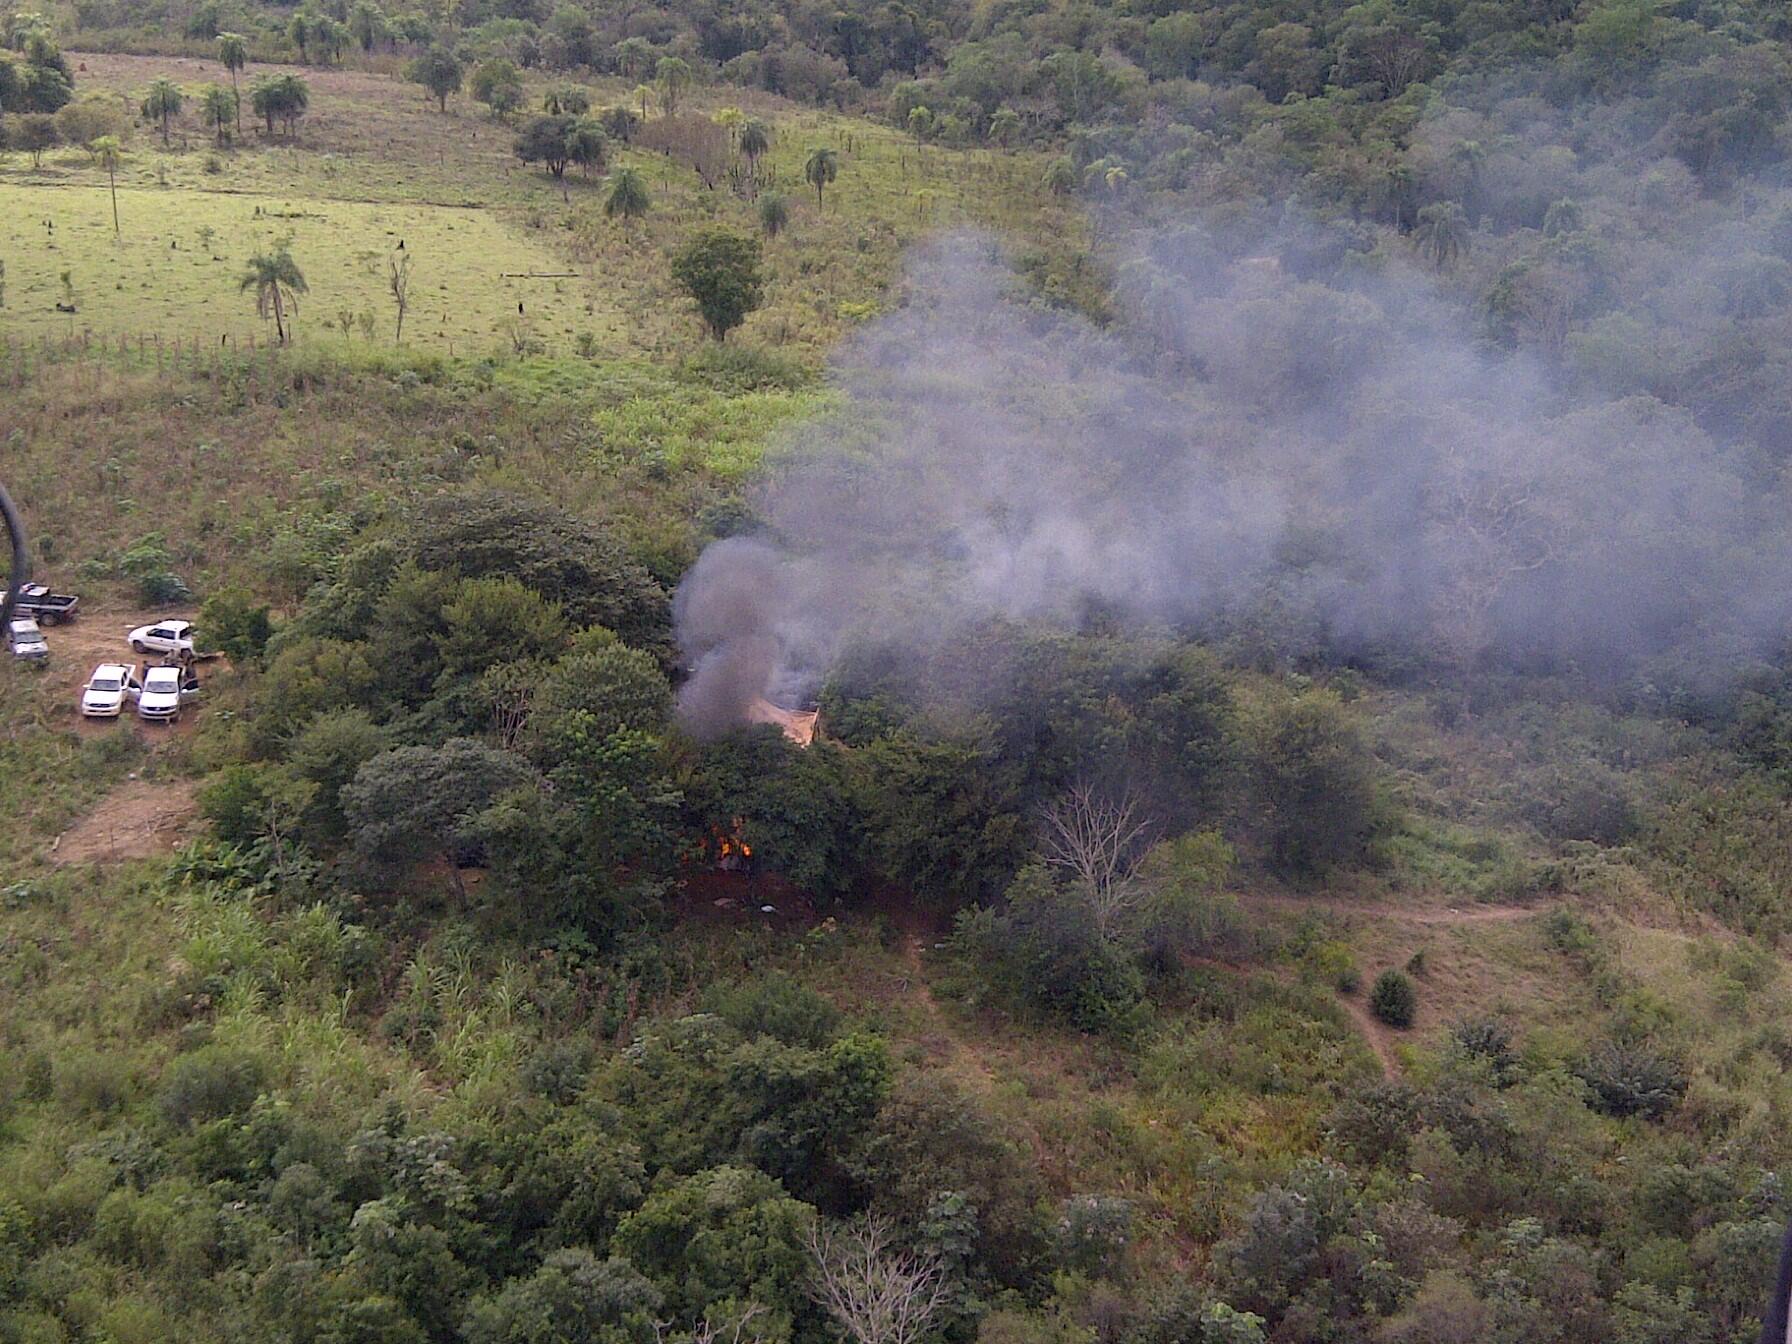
{"x":1336,"y":466}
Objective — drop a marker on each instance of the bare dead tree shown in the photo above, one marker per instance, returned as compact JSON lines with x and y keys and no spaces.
{"x":1099,"y":838}
{"x":876,"y":1291}
{"x":398,"y":281}
{"x":707,"y":1332}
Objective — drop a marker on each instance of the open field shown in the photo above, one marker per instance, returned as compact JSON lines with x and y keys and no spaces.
{"x":174,"y":271}
{"x":374,"y":163}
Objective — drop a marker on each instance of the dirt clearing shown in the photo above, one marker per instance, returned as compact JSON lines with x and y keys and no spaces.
{"x":140,"y":819}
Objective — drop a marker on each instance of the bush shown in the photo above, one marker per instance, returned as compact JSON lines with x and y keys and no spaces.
{"x":1630,"y":1078}
{"x":148,"y":562}
{"x":1046,"y":953}
{"x":209,"y":1084}
{"x":1393,"y":999}
{"x":1317,"y":784}
{"x":237,"y":625}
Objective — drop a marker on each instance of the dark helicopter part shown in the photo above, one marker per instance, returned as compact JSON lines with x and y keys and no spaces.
{"x":21,"y":556}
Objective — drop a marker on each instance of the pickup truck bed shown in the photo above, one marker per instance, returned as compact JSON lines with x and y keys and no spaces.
{"x":37,"y":601}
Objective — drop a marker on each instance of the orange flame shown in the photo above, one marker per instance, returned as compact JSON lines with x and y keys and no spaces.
{"x":732,"y":846}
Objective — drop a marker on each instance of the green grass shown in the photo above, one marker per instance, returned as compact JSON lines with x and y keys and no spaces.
{"x":374,"y":162}
{"x":173,"y":271}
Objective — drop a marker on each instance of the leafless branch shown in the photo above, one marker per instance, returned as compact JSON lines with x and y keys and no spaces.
{"x":1100,"y":838}
{"x":876,"y":1291}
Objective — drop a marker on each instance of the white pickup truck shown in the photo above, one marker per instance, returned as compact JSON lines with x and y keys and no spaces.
{"x":164,"y":637}
{"x":165,"y":690}
{"x":106,"y":691}
{"x":26,"y":642}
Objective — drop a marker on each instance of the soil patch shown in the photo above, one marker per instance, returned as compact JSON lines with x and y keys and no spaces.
{"x":140,"y":819}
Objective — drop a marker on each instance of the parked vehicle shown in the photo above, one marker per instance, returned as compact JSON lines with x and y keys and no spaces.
{"x":165,"y":690}
{"x":37,"y":601}
{"x":26,"y":642}
{"x":165,"y":637}
{"x":104,"y":695}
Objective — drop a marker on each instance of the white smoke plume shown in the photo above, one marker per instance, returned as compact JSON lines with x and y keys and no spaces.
{"x":1308,"y":465}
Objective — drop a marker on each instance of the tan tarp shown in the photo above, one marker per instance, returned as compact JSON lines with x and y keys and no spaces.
{"x":798,"y":724}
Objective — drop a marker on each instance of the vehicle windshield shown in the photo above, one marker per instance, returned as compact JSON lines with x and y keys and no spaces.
{"x":103,"y":684}
{"x":162,"y":679}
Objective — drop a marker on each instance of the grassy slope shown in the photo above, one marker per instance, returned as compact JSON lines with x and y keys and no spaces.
{"x":375,"y":162}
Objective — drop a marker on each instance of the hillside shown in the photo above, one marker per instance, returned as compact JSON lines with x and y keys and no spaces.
{"x":1296,"y":843}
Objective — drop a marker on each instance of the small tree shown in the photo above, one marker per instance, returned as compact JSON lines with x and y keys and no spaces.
{"x":1443,"y":233}
{"x":437,"y":70}
{"x":628,"y":199}
{"x":546,"y":140}
{"x":720,"y":270}
{"x":499,"y":85}
{"x":233,"y":52}
{"x":821,"y":168}
{"x":284,"y":97}
{"x":671,"y":77}
{"x":220,"y":107}
{"x":566,"y":100}
{"x":1003,"y":126}
{"x":34,"y":133}
{"x":755,"y":139}
{"x":107,"y":151}
{"x":1393,"y":998}
{"x":774,"y":215}
{"x":162,"y":104}
{"x":398,"y":284}
{"x":426,"y":802}
{"x":586,"y":144}
{"x":368,"y":25}
{"x":277,"y":281}
{"x":298,"y":32}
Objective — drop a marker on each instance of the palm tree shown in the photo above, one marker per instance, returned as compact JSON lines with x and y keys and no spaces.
{"x":1003,"y":125}
{"x":643,"y":95}
{"x":821,"y":168}
{"x":628,"y":197}
{"x":163,"y":103}
{"x":1442,"y":233}
{"x":774,"y":215}
{"x":673,"y":76}
{"x":755,"y":139}
{"x":234,"y":53}
{"x":1468,"y":156}
{"x":219,"y":105}
{"x":277,"y":281}
{"x":108,"y":152}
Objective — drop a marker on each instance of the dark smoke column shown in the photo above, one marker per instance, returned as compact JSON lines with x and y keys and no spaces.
{"x":727,"y":613}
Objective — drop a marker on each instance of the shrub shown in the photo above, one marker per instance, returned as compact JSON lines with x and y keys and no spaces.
{"x":236,"y":624}
{"x":1094,"y":1232}
{"x":1317,"y":784}
{"x":1488,"y":1038}
{"x":1630,"y":1078}
{"x":149,"y":562}
{"x":1393,"y":999}
{"x":1046,"y":953}
{"x":209,"y":1084}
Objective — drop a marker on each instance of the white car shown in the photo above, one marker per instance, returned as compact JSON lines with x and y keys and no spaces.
{"x":167,"y":637}
{"x":165,"y":690}
{"x":107,"y":689}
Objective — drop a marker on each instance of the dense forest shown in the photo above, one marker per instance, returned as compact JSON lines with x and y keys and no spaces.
{"x":1294,"y":845}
